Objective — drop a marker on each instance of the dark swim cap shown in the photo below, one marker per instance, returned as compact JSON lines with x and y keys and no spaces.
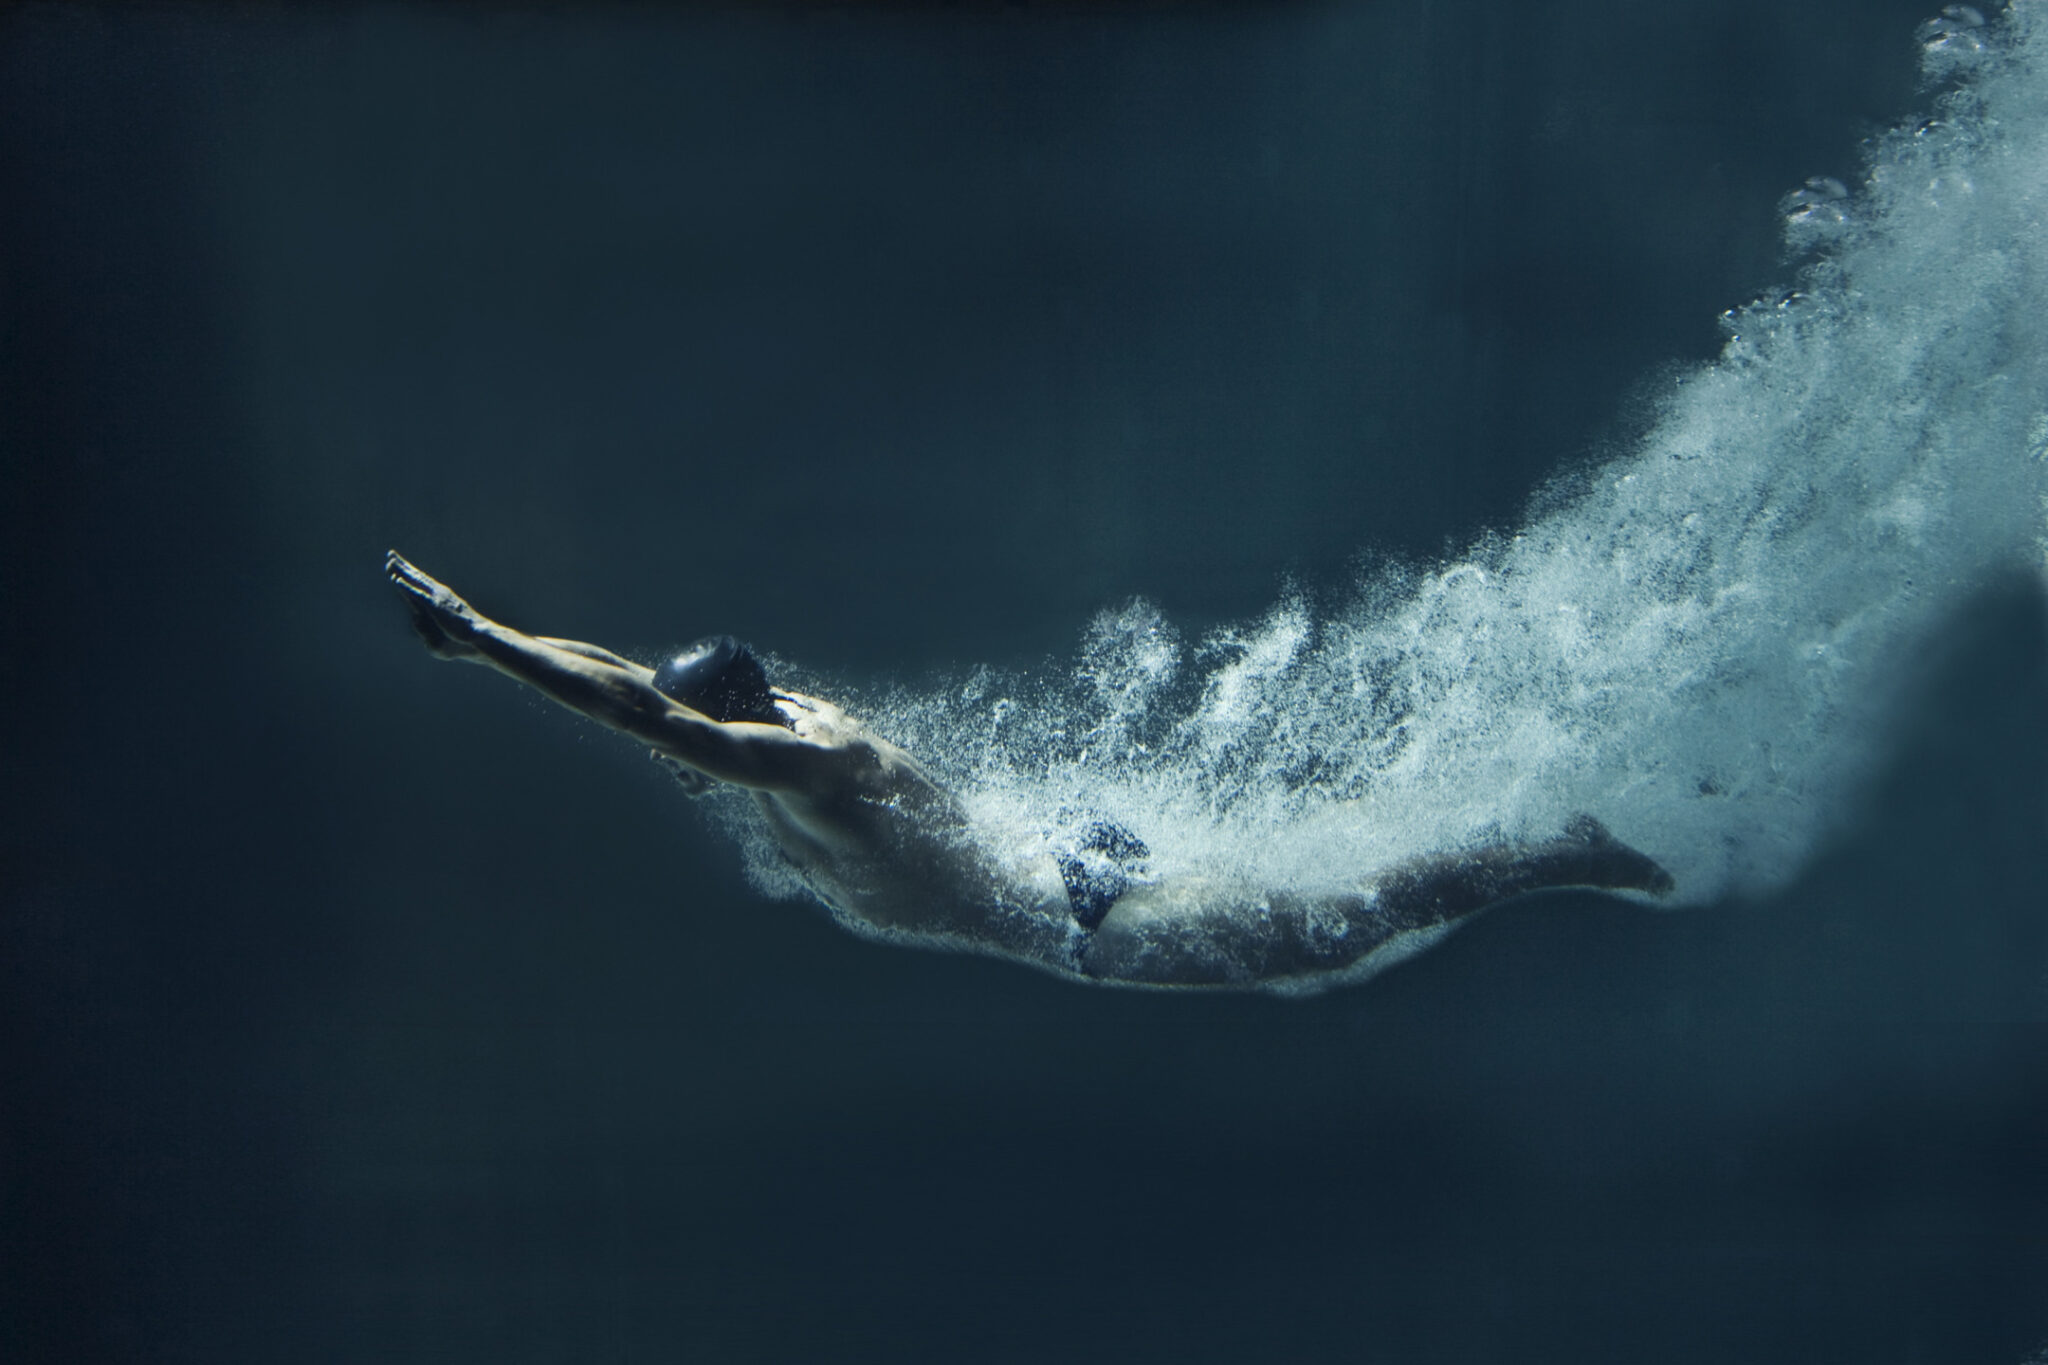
{"x":720,"y":677}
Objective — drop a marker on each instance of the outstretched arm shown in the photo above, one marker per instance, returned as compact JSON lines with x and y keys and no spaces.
{"x":610,"y":690}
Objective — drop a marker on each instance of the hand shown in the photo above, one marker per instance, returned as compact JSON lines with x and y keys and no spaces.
{"x":445,"y":623}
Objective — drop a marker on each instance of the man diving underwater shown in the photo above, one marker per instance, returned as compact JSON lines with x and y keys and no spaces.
{"x":893,"y":855}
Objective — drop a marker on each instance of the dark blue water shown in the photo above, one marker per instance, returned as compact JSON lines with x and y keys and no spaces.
{"x":356,"y":1008}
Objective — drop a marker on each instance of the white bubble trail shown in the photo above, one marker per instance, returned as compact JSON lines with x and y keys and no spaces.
{"x":1700,"y":649}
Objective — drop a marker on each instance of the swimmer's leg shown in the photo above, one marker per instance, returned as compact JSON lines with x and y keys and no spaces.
{"x":1239,"y":940}
{"x":1447,"y":887}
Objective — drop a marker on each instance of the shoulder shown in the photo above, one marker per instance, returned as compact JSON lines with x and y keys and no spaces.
{"x":877,"y":768}
{"x":824,"y":726}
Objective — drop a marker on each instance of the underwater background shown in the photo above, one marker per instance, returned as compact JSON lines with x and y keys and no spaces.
{"x":357,"y":1008}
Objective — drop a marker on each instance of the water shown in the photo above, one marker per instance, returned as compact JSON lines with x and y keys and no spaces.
{"x":362,"y":1008}
{"x":1701,"y":643}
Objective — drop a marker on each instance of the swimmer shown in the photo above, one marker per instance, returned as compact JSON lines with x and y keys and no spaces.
{"x":893,"y":855}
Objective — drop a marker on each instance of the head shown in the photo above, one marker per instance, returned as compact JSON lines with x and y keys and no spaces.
{"x":720,"y":677}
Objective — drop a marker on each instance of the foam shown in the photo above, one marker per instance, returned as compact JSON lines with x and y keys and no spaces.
{"x":1699,"y":648}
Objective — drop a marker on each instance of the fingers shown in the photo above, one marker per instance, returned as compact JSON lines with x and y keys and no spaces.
{"x":402,"y":574}
{"x":422,"y":587}
{"x":443,"y":621}
{"x":409,"y":579}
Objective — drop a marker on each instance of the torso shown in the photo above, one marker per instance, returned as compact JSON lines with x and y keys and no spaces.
{"x":892,"y":854}
{"x":890,"y":851}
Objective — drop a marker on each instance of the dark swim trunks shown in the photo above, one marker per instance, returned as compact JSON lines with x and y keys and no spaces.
{"x":1100,"y":869}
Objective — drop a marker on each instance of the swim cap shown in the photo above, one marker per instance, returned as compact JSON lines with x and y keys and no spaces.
{"x":720,"y":677}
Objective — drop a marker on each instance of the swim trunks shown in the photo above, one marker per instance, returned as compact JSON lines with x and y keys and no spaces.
{"x":1100,"y":868}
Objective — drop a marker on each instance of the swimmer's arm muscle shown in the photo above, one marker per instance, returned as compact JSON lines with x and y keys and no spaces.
{"x":765,"y":757}
{"x":601,"y":654}
{"x":610,"y":690}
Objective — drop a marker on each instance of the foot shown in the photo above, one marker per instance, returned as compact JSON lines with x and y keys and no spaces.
{"x":1622,"y":868}
{"x":445,"y":623}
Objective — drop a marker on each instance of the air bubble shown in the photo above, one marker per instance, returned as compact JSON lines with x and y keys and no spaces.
{"x":1816,"y":212}
{"x":1952,"y":38}
{"x":1844,"y":476}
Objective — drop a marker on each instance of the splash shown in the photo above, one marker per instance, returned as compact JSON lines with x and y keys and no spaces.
{"x":1699,"y":647}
